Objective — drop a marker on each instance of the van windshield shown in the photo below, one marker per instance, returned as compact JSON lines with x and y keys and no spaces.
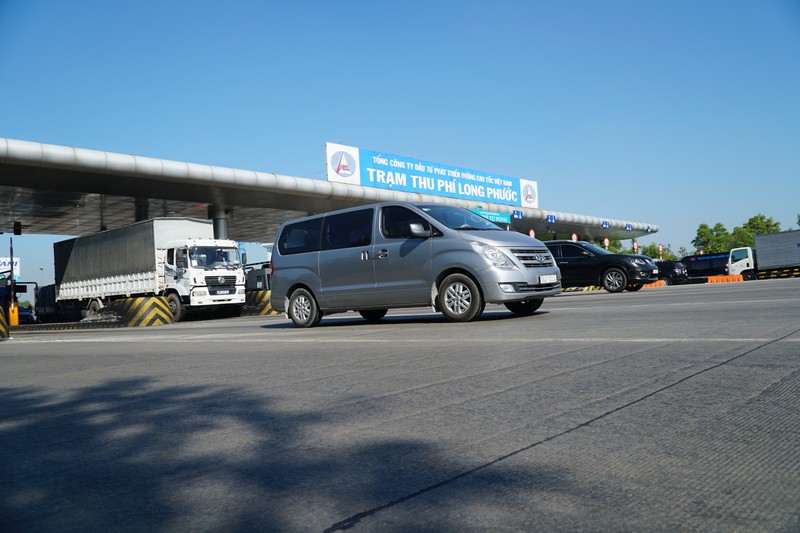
{"x":458,"y":218}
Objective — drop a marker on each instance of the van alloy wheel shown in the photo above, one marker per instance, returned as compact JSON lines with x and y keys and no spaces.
{"x":460,"y":299}
{"x":303,"y":309}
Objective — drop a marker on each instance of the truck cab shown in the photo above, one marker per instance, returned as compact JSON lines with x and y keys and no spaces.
{"x":742,"y":261}
{"x":202,"y":273}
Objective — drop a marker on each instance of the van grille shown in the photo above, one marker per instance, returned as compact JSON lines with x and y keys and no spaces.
{"x":533,"y":257}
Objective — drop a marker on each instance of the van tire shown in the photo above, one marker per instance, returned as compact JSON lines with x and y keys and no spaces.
{"x":459,"y":298}
{"x":303,"y":309}
{"x":373,"y":315}
{"x":175,"y":307}
{"x":528,"y":307}
{"x":614,"y":280}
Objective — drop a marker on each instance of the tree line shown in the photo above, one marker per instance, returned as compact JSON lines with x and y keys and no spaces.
{"x":710,"y":239}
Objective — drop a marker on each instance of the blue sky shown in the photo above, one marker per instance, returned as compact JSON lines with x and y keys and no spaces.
{"x":676,"y":113}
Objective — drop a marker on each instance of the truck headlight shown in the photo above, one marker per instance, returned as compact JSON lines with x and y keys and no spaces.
{"x":492,"y":255}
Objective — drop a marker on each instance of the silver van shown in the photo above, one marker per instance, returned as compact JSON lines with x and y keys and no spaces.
{"x":397,"y":254}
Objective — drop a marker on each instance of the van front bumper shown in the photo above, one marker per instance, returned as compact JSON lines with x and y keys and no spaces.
{"x":500,"y":288}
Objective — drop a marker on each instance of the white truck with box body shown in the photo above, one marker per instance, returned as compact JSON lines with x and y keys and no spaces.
{"x":776,"y":255}
{"x":177,"y":258}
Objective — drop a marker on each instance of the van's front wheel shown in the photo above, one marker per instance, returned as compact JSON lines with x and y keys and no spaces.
{"x":459,"y":298}
{"x":303,"y":309}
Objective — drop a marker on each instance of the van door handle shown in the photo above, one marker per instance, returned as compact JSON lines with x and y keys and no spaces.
{"x":365,"y":255}
{"x":383,"y":254}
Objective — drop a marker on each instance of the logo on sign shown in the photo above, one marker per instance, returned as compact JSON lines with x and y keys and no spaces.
{"x":343,"y":164}
{"x":529,"y":194}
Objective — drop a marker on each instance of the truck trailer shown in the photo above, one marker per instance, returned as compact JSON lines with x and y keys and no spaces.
{"x":177,"y":258}
{"x":776,"y":255}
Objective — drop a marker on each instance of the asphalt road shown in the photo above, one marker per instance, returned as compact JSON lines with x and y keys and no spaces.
{"x":669,"y":409}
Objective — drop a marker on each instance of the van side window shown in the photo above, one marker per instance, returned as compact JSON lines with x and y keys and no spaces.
{"x":300,"y":237}
{"x":347,"y":230}
{"x":395,"y":222}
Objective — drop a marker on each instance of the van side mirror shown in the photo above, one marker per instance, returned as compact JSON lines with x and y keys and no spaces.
{"x":418,"y":230}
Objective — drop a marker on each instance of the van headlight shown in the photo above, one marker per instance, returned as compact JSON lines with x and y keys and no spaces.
{"x":492,"y":255}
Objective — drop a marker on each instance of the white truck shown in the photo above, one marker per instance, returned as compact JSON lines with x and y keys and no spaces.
{"x":776,"y":255}
{"x":177,"y":258}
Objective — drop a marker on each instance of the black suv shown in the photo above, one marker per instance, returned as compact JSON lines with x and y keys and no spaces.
{"x":583,"y":264}
{"x":672,"y":272}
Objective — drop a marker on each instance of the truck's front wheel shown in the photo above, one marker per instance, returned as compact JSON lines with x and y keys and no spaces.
{"x":748,"y":275}
{"x":175,"y":308}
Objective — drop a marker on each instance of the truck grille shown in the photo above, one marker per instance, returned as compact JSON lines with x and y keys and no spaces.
{"x":213,"y":281}
{"x":533,"y":257}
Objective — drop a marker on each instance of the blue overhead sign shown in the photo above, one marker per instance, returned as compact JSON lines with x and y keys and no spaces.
{"x":357,"y":166}
{"x":503,"y":218}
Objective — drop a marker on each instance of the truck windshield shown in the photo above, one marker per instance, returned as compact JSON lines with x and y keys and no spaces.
{"x":210,"y":257}
{"x":458,"y":218}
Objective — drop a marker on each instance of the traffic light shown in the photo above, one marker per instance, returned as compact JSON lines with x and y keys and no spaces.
{"x":17,"y":227}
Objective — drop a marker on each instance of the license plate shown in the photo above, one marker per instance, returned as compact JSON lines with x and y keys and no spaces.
{"x":550,"y":278}
{"x":655,"y":271}
{"x":223,"y":292}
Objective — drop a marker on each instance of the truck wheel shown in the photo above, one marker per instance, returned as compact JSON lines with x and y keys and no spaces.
{"x":174,"y":302}
{"x":303,"y":309}
{"x":614,"y":280}
{"x":528,"y":307}
{"x":94,"y":309}
{"x":748,"y":275}
{"x":373,"y":315}
{"x":459,"y":298}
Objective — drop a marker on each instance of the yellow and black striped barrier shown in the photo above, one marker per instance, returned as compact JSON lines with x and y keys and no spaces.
{"x":257,"y":303}
{"x":3,"y":323}
{"x":143,"y":311}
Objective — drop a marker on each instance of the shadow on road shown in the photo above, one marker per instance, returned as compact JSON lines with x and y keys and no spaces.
{"x":132,"y":455}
